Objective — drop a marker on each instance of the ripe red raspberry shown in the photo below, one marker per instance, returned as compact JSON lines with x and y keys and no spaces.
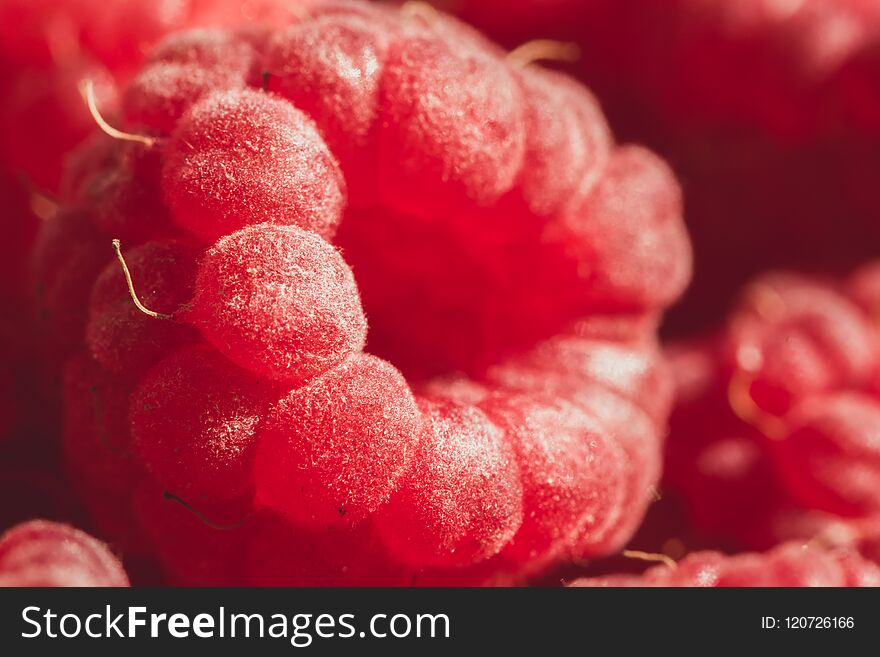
{"x":773,"y":434}
{"x":533,"y":296}
{"x":43,"y":553}
{"x":790,"y":564}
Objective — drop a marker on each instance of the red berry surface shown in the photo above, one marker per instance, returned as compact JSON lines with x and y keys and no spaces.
{"x":119,"y":182}
{"x":386,"y":304}
{"x":461,"y":500}
{"x":181,"y":70}
{"x":568,"y":472}
{"x":279,"y":301}
{"x":43,"y":553}
{"x":124,"y":340}
{"x":238,"y":158}
{"x":335,"y":450}
{"x":768,"y":111}
{"x":194,"y":420}
{"x":774,"y":436}
{"x":383,"y":311}
{"x":829,"y":459}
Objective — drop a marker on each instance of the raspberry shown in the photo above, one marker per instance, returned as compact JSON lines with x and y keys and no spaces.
{"x":194,"y":419}
{"x":238,"y":158}
{"x":248,"y":309}
{"x":269,"y":446}
{"x":461,"y":500}
{"x":772,"y":437}
{"x":43,"y":553}
{"x":790,"y":564}
{"x":336,"y":449}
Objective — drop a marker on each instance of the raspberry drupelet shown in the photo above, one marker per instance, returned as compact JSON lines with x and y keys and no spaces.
{"x":363,"y":164}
